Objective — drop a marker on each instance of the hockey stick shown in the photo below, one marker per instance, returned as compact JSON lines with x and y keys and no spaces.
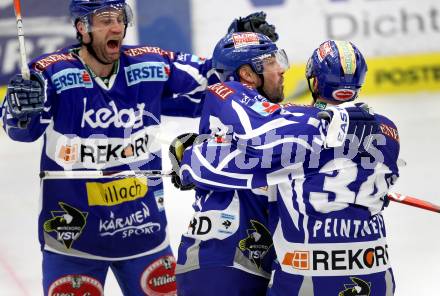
{"x":101,"y":174}
{"x":414,"y":202}
{"x":23,"y":58}
{"x":393,"y":196}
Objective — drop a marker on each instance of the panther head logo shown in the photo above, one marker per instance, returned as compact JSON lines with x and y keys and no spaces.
{"x":358,"y":288}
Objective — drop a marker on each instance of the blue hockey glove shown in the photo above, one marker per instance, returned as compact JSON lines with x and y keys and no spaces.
{"x":177,"y":147}
{"x":255,"y":22}
{"x":25,"y":98}
{"x":361,"y":124}
{"x":386,"y":201}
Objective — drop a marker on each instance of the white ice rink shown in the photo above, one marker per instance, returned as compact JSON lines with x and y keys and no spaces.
{"x":413,"y":234}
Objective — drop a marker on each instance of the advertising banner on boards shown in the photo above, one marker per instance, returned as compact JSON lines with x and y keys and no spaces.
{"x":399,"y":38}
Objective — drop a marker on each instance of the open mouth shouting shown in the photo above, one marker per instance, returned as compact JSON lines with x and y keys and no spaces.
{"x":114,"y":46}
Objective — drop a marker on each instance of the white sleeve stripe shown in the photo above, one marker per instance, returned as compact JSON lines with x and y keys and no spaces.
{"x":186,"y":167}
{"x":212,"y":72}
{"x":188,"y":97}
{"x":286,"y":193}
{"x":197,"y":89}
{"x":285,"y":140}
{"x":252,"y":133}
{"x":314,"y":122}
{"x":207,"y":165}
{"x":227,"y":159}
{"x":194,"y":73}
{"x":244,"y":118}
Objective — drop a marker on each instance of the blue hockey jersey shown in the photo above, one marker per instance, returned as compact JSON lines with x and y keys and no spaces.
{"x":261,"y":140}
{"x":229,"y":227}
{"x":92,"y":125}
{"x":327,"y":221}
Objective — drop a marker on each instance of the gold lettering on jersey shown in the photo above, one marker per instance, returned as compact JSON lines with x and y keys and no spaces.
{"x":133,"y":52}
{"x":389,"y":131}
{"x":47,"y":61}
{"x":116,"y":192}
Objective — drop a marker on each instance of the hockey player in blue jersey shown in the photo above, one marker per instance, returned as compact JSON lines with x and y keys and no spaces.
{"x":331,"y":236}
{"x":98,"y":105}
{"x":227,"y":249}
{"x":246,"y":109}
{"x":327,"y":227}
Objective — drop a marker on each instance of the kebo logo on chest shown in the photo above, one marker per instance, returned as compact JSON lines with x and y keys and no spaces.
{"x":104,"y":117}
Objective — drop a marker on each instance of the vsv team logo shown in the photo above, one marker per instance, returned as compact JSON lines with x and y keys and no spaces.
{"x":68,"y":224}
{"x":257,"y":243}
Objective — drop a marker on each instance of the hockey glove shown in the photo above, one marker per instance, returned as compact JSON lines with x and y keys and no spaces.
{"x":177,"y":147}
{"x":386,"y":201}
{"x":25,"y":98}
{"x":361,"y":124}
{"x":338,"y":120}
{"x":255,"y":22}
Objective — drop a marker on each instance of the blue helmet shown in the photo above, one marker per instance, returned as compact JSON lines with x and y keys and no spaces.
{"x":81,"y":8}
{"x":238,"y":49}
{"x":339,"y":69}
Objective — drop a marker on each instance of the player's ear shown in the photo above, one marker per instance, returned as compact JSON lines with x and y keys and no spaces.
{"x":81,"y":28}
{"x":315,"y":84}
{"x":248,"y":76}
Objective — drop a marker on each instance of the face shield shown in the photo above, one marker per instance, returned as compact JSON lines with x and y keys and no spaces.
{"x":272,"y":62}
{"x":107,"y":17}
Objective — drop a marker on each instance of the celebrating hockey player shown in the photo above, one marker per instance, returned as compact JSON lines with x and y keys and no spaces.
{"x":335,"y":240}
{"x":98,"y":105}
{"x":327,"y":228}
{"x":228,"y":233}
